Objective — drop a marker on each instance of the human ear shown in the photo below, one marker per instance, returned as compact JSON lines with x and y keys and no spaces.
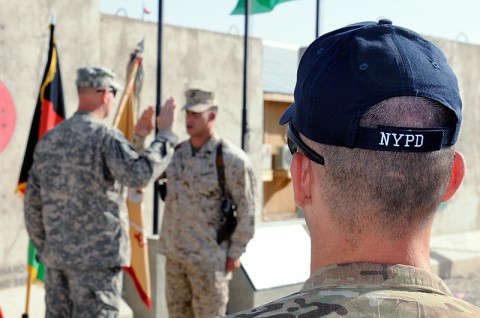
{"x":456,"y":178}
{"x":301,"y":179}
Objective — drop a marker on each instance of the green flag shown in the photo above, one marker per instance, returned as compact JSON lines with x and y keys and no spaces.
{"x":257,"y":6}
{"x":36,"y":269}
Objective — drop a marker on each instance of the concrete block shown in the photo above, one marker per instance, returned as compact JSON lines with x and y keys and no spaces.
{"x":276,"y":264}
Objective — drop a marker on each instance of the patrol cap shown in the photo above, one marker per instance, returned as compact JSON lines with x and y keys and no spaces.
{"x":199,"y":101}
{"x":96,"y":77}
{"x":342,"y":74}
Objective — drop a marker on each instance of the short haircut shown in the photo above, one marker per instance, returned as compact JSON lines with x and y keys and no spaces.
{"x":392,"y":193}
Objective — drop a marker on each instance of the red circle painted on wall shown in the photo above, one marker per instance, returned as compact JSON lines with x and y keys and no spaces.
{"x":7,"y":117}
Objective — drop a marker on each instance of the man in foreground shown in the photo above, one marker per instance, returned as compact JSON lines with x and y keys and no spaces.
{"x":372,"y":130}
{"x":74,"y":201}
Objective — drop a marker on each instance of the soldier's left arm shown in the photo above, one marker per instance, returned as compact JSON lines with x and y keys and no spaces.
{"x":33,"y":211}
{"x":242,"y":185}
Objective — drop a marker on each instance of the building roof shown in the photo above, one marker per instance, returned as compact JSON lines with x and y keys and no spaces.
{"x":280,"y":64}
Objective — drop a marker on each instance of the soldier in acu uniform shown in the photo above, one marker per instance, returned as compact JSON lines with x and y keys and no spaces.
{"x":372,"y":130}
{"x":74,"y":202}
{"x":198,"y":267}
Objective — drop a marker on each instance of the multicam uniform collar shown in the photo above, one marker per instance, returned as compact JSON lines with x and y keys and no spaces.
{"x":376,"y":275}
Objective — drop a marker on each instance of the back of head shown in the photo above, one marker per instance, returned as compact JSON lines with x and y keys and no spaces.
{"x":94,"y":84}
{"x":381,"y":105}
{"x":392,"y":192}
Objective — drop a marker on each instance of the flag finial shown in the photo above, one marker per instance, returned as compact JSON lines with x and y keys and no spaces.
{"x":140,"y":46}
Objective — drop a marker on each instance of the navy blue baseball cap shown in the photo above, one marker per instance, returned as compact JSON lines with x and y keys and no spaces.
{"x":342,"y":74}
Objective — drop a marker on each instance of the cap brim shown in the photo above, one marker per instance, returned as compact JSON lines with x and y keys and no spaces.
{"x":197,"y":108}
{"x":287,"y":115}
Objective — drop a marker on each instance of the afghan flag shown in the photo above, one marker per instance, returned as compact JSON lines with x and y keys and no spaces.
{"x":256,"y":6}
{"x":125,"y":120}
{"x":49,"y":111}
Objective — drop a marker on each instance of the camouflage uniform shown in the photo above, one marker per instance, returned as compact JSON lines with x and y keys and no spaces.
{"x":74,"y":209}
{"x":369,"y":291}
{"x":197,"y":284}
{"x":95,"y":292}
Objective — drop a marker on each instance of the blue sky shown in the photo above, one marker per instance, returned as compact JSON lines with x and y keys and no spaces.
{"x":294,"y":22}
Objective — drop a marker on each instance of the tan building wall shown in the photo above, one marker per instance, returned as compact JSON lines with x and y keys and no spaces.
{"x":462,"y":212}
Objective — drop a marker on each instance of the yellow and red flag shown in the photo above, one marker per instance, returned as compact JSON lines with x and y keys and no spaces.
{"x":49,"y":111}
{"x":125,"y":120}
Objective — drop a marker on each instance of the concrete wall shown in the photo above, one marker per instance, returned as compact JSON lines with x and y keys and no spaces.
{"x":462,"y":212}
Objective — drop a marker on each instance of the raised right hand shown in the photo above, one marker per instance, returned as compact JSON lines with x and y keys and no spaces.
{"x":144,"y":124}
{"x":166,"y":118}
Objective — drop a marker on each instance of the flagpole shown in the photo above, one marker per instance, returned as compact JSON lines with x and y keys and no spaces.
{"x":317,"y":25}
{"x":27,"y":301}
{"x":126,"y":94}
{"x":156,"y":187}
{"x":124,"y":121}
{"x":245,"y":78}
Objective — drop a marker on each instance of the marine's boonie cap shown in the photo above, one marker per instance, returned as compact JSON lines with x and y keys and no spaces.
{"x":199,"y":101}
{"x":96,"y":77}
{"x":342,"y":74}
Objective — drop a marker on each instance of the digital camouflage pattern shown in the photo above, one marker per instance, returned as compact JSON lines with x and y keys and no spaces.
{"x":369,"y":291}
{"x":193,"y":208}
{"x":96,"y":77}
{"x":74,"y":205}
{"x":93,"y":293}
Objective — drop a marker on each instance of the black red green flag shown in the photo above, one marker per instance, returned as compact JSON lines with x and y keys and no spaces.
{"x":50,"y":109}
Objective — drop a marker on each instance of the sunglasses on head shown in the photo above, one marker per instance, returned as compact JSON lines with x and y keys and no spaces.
{"x":295,"y":143}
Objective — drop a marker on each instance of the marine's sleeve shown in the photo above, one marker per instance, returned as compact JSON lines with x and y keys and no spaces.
{"x":242,"y":185}
{"x":33,"y":211}
{"x":132,"y":169}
